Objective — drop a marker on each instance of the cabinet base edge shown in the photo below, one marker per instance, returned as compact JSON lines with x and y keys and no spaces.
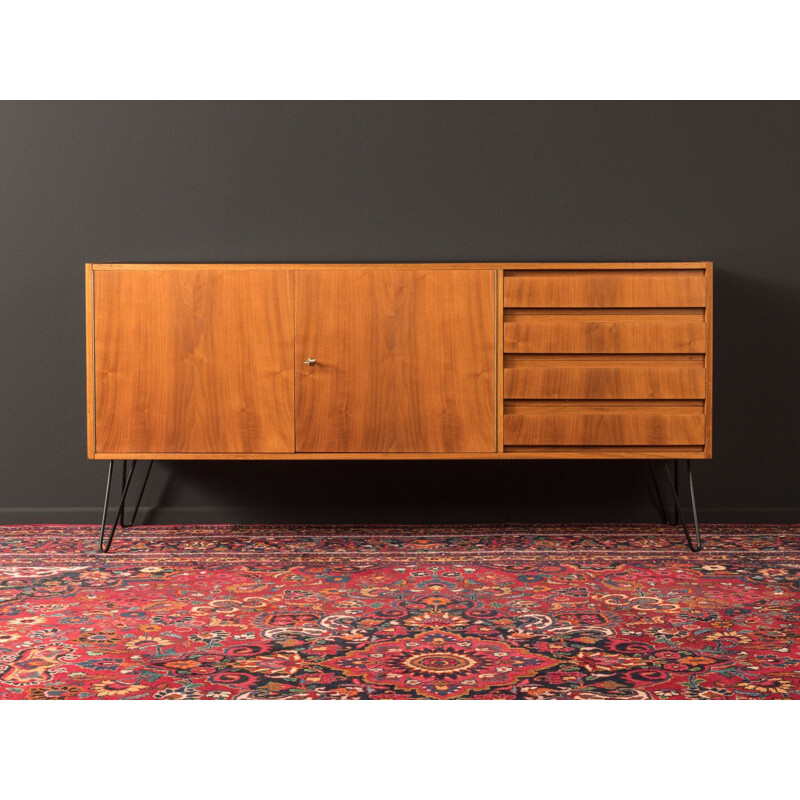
{"x":510,"y":453}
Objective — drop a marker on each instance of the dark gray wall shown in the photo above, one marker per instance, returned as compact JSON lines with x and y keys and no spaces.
{"x":407,"y":182}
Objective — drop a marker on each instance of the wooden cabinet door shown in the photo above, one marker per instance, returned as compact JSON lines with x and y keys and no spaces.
{"x":193,"y":361}
{"x":404,"y":361}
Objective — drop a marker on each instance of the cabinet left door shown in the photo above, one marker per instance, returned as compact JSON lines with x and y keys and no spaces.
{"x":191,"y":362}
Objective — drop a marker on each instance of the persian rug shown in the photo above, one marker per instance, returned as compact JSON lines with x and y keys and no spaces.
{"x":442,"y":612}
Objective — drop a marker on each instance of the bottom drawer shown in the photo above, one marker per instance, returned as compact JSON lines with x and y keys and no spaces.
{"x":610,"y":427}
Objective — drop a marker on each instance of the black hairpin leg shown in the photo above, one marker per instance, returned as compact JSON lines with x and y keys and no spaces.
{"x":676,"y":490}
{"x":139,"y":499}
{"x":664,"y":518}
{"x":119,"y":519}
{"x":695,"y":543}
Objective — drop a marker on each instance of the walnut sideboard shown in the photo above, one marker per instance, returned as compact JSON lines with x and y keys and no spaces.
{"x":398,"y":361}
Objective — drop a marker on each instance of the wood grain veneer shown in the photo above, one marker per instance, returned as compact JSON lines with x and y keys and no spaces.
{"x":626,"y":336}
{"x":120,"y":266}
{"x":90,"y":400}
{"x":611,"y":427}
{"x":405,"y":361}
{"x":499,"y":356}
{"x":709,"y":360}
{"x":640,"y":378}
{"x":475,"y":360}
{"x":188,"y":361}
{"x":586,"y":334}
{"x":609,"y":288}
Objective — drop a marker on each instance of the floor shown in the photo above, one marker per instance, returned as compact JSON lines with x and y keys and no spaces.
{"x":377,"y":612}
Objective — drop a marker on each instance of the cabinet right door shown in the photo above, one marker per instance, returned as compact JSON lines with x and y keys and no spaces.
{"x":395,"y":361}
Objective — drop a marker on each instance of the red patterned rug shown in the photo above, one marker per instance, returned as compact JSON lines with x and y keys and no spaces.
{"x":517,"y":612}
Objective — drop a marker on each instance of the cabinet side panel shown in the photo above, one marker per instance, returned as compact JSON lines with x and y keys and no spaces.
{"x":709,"y":318}
{"x":193,"y":361}
{"x":499,"y":357}
{"x":90,"y":439}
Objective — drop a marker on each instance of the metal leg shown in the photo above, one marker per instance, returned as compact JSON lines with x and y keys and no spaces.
{"x":122,"y":489}
{"x":695,"y":543}
{"x":105,"y":502}
{"x":662,"y":510}
{"x":139,"y":499}
{"x":698,"y":540}
{"x":127,"y":477}
{"x":676,"y":489}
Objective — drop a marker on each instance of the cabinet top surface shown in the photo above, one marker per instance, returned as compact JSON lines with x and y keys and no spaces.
{"x":509,"y":265}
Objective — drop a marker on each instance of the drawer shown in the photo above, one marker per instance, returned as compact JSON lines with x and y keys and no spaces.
{"x":604,"y":378}
{"x":604,"y":333}
{"x":590,"y":427}
{"x":680,"y":288}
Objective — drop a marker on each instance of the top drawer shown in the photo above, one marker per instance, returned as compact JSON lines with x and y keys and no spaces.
{"x":645,"y":288}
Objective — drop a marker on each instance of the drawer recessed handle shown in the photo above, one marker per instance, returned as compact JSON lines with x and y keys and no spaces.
{"x":309,"y":362}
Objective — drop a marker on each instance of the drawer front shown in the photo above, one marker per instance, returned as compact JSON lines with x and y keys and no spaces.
{"x":610,"y":428}
{"x":606,"y":359}
{"x":601,"y":378}
{"x":605,"y":289}
{"x":586,"y":333}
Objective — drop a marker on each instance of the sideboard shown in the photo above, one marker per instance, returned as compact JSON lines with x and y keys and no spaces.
{"x":398,"y":361}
